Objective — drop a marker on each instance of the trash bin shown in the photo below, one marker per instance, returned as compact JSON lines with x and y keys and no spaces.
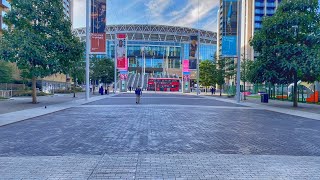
{"x":264,"y":98}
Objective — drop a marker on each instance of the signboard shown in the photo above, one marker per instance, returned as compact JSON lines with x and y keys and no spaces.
{"x":193,"y":47}
{"x":98,"y":25}
{"x":121,"y":52}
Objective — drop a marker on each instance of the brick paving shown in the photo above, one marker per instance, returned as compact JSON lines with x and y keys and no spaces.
{"x":168,"y":136}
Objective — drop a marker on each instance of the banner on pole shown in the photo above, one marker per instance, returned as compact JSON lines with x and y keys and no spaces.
{"x":98,"y":25}
{"x":185,"y":65}
{"x":123,"y":75}
{"x":186,"y":76}
{"x":229,"y":28}
{"x":121,"y":52}
{"x":193,"y":52}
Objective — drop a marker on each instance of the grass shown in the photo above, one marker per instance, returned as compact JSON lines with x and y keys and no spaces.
{"x":2,"y":98}
{"x":254,"y":97}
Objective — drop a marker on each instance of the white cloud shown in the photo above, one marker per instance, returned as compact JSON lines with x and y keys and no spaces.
{"x":79,"y":13}
{"x":156,"y":12}
{"x":195,"y":10}
{"x":156,"y":9}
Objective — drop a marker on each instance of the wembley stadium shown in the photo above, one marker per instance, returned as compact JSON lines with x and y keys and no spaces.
{"x":164,"y":49}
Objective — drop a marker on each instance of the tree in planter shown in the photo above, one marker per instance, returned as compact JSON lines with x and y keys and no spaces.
{"x":290,"y":39}
{"x":207,"y":73}
{"x":36,"y":37}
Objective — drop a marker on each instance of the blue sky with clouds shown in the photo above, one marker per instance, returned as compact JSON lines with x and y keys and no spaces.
{"x":166,"y":12}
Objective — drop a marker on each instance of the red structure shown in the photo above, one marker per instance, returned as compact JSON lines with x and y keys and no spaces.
{"x":163,"y":84}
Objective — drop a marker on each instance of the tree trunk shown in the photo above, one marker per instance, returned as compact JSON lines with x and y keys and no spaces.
{"x":295,"y":90}
{"x":220,"y":89}
{"x":34,"y":90}
{"x":74,"y":87}
{"x":244,"y":90}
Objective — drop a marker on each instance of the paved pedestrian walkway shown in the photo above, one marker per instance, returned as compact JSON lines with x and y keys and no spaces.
{"x":21,"y":108}
{"x":167,"y":136}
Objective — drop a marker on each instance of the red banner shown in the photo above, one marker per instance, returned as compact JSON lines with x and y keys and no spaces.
{"x":121,"y":52}
{"x":98,"y":43}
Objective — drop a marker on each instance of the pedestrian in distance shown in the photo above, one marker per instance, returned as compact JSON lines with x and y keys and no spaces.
{"x":138,"y":93}
{"x":101,"y":90}
{"x":212,"y":91}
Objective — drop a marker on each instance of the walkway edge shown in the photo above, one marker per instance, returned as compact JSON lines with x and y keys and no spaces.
{"x":298,"y":113}
{"x":18,"y":116}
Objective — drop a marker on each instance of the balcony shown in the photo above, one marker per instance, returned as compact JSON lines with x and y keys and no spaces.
{"x":270,"y":12}
{"x":272,"y":5}
{"x":258,"y":11}
{"x":259,"y":4}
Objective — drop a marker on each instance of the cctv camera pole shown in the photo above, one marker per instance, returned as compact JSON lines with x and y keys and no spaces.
{"x":87,"y":50}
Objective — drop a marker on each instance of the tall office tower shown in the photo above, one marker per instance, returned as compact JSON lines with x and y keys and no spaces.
{"x":3,"y":8}
{"x":68,"y":9}
{"x":252,"y":16}
{"x":252,"y":13}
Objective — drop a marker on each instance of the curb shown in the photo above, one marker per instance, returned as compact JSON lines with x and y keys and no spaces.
{"x":18,"y":116}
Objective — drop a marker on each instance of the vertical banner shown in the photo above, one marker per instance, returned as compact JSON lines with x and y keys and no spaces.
{"x":185,"y":65}
{"x":229,"y":30}
{"x":193,"y":52}
{"x":98,"y":26}
{"x":121,"y":52}
{"x":123,"y":75}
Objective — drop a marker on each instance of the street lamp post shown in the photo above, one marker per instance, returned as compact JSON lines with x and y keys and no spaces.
{"x":239,"y":51}
{"x":87,"y":48}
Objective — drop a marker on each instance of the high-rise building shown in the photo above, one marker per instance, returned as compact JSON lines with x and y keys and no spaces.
{"x":68,"y":8}
{"x":252,"y":13}
{"x":3,"y":8}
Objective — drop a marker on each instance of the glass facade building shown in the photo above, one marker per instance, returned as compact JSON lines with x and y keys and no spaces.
{"x":162,"y":47}
{"x":263,"y":8}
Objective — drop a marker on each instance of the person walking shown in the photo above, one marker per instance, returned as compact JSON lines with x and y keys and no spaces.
{"x":212,"y":90}
{"x":138,"y":93}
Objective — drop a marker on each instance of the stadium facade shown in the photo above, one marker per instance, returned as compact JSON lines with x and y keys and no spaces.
{"x":164,"y":47}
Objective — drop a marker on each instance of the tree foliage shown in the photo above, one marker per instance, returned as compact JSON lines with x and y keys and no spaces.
{"x":38,"y":38}
{"x":5,"y":72}
{"x":102,"y":69}
{"x":288,"y":44}
{"x":207,"y":73}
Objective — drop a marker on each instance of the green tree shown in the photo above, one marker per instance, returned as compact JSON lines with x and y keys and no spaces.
{"x":5,"y":72}
{"x":36,"y":38}
{"x":207,"y":73}
{"x":288,"y":44}
{"x":102,"y":69}
{"x":73,"y":63}
{"x":221,"y":73}
{"x":246,"y":71}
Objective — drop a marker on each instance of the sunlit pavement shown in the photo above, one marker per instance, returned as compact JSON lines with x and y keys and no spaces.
{"x":167,"y":136}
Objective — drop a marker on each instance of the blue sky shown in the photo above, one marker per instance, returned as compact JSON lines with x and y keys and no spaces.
{"x":166,"y":12}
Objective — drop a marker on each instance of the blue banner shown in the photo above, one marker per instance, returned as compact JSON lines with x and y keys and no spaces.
{"x":229,"y":45}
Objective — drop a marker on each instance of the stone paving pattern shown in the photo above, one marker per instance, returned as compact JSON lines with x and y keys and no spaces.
{"x":165,"y":137}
